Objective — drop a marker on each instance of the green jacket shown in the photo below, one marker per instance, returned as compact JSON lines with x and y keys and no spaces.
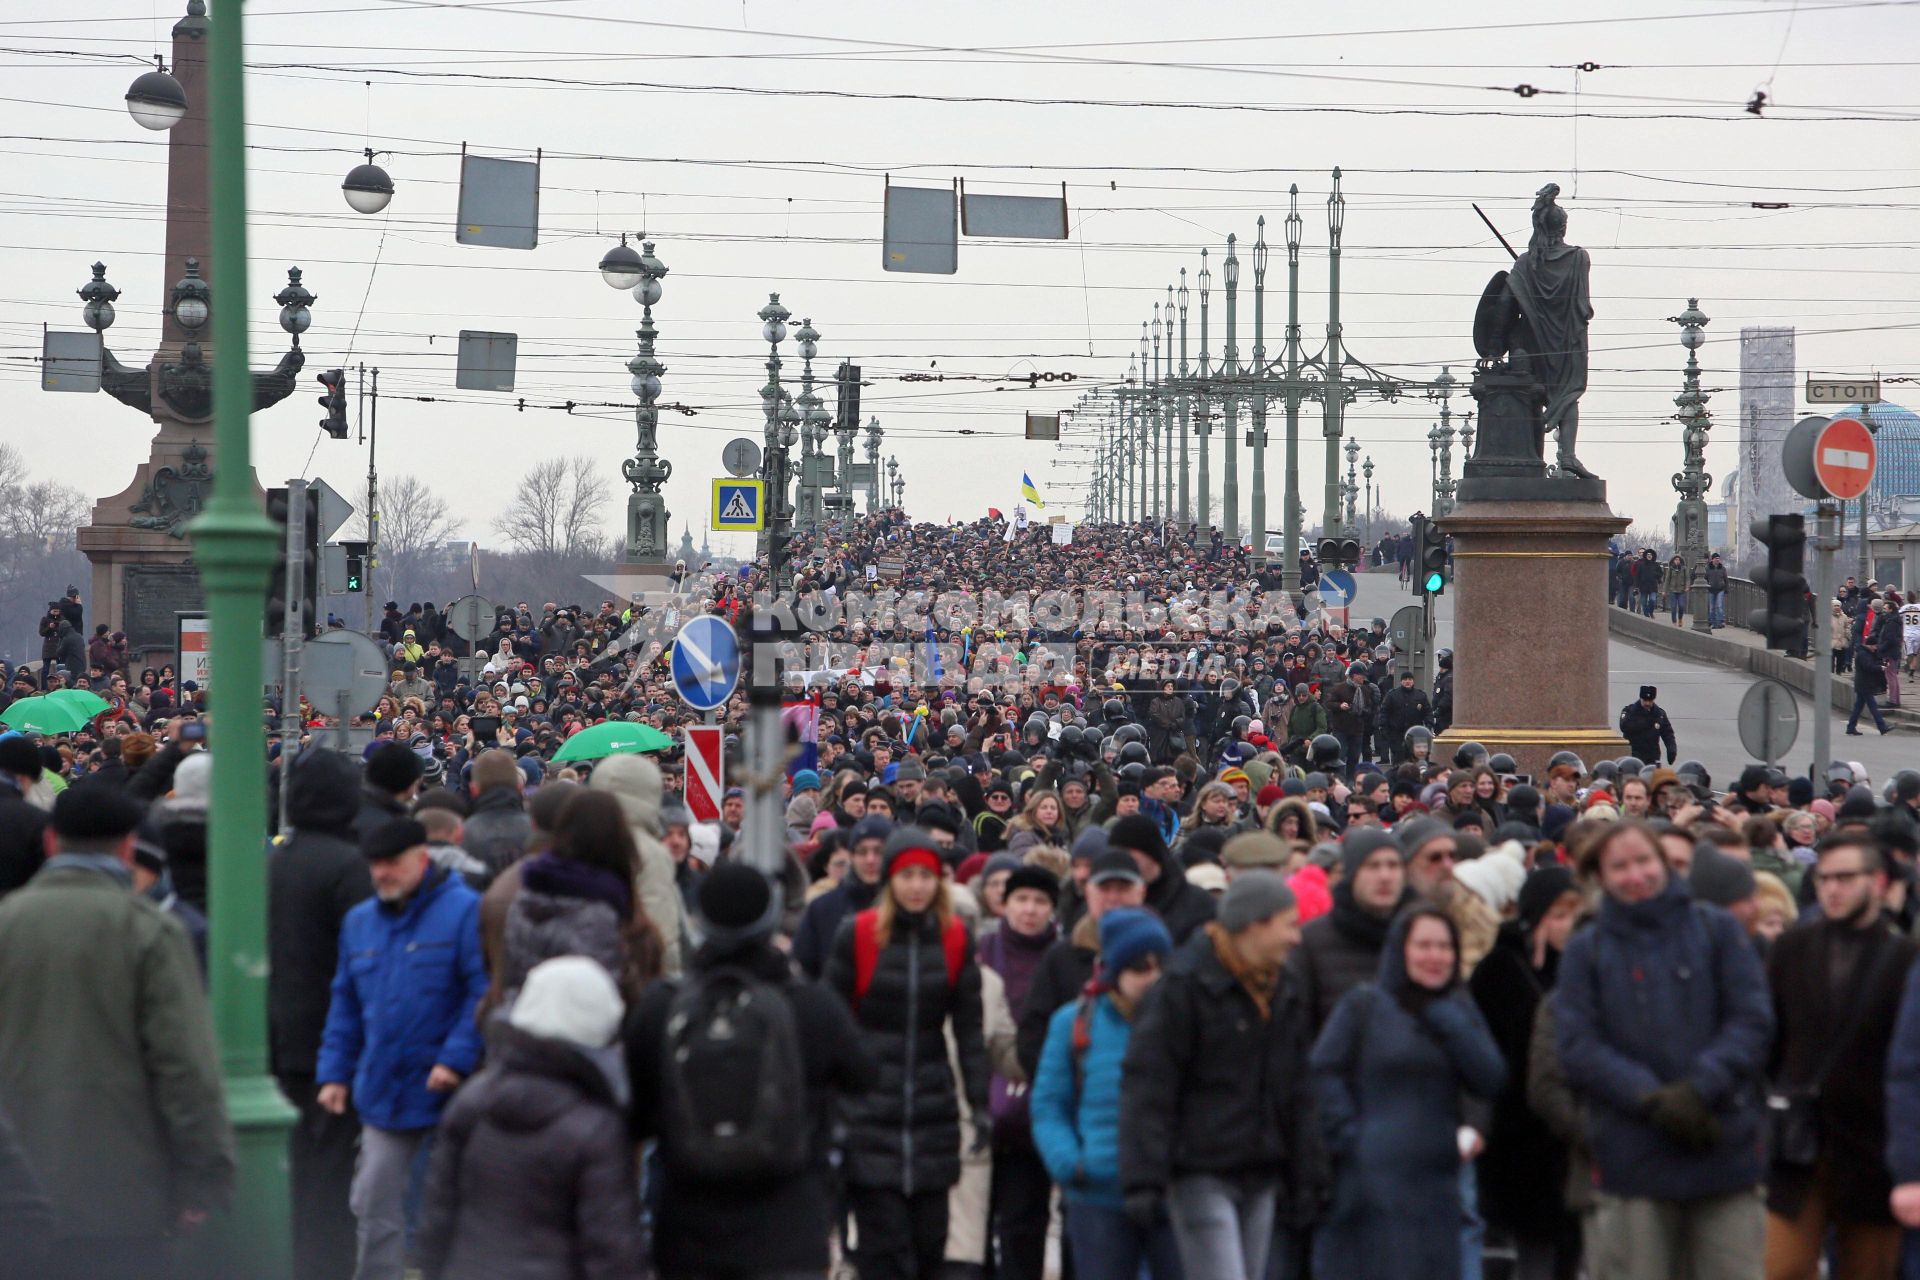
{"x":1306,"y":719}
{"x":107,"y":1060}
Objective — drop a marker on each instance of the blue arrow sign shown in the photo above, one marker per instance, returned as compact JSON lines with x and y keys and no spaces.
{"x":706,"y":663}
{"x":1337,"y":587}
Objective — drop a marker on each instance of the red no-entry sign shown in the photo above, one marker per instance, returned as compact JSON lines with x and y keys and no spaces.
{"x":1844,"y":456}
{"x":705,"y":786}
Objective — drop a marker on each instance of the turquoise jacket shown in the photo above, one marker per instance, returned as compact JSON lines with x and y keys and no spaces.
{"x":1076,"y":1124}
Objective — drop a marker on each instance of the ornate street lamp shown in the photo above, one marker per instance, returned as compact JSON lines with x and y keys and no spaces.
{"x":1692,"y":481}
{"x":99,"y":297}
{"x":621,"y":267}
{"x":773,"y":331}
{"x":647,"y":472}
{"x":367,"y":187}
{"x":1366,"y":469}
{"x":294,"y":302}
{"x":192,"y":300}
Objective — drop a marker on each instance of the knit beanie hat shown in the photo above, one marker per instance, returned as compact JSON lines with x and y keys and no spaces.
{"x":805,"y":780}
{"x":570,"y":998}
{"x":1127,"y":934}
{"x":1362,"y":843}
{"x":737,"y":905}
{"x":193,"y":779}
{"x":1269,"y":795}
{"x":393,"y":767}
{"x":1253,"y":896}
{"x":913,"y":844}
{"x":1719,"y":878}
{"x":1544,"y":886}
{"x":94,"y":811}
{"x":1090,"y":844}
{"x":1800,"y":792}
{"x":871,"y":827}
{"x":1138,"y":832}
{"x":1496,"y":878}
{"x":1411,"y":835}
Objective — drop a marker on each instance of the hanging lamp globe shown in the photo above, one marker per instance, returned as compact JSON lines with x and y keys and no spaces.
{"x":156,"y":101}
{"x":367,"y":187}
{"x":621,"y":268}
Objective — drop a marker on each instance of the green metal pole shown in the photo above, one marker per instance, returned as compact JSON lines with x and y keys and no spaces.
{"x":1229,"y":439}
{"x":1334,"y":387}
{"x":1290,"y":483}
{"x":233,"y":543}
{"x":1259,"y":428}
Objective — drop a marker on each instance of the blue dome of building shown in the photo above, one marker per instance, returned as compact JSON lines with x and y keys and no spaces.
{"x":1896,"y":436}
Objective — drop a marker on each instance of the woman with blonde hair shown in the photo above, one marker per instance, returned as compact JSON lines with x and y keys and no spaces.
{"x":1041,"y":820}
{"x":905,"y":966}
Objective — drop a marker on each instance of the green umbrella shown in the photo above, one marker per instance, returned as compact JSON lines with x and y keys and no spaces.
{"x":44,"y":715}
{"x":615,"y":737}
{"x":81,"y":700}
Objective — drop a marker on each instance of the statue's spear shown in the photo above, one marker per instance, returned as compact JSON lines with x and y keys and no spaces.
{"x":1496,"y":232}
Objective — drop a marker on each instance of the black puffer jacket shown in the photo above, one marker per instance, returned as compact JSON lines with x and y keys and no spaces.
{"x":1183,"y":907}
{"x":312,"y":881}
{"x":1211,"y":1087}
{"x":532,"y":1177}
{"x":904,"y":1133}
{"x":1338,"y":952}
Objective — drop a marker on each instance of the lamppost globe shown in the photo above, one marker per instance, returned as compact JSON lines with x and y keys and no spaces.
{"x":808,"y":341}
{"x":646,"y":386}
{"x":191,"y":312}
{"x":367,"y":187}
{"x":294,"y":301}
{"x":620,"y":267}
{"x":155,"y":100}
{"x":774,"y":332}
{"x":99,"y":315}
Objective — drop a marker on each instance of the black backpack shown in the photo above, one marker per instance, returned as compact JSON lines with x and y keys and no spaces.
{"x":734,"y":1093}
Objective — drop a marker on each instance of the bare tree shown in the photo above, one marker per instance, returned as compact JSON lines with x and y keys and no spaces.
{"x":415,"y":526}
{"x":38,"y":556}
{"x":555,"y":511}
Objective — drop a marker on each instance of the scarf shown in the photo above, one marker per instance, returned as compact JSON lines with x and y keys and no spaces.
{"x":1259,"y":983}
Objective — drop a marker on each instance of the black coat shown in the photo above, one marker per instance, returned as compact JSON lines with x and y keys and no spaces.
{"x":532,"y":1176}
{"x":1337,"y":952}
{"x":22,"y":848}
{"x":1524,"y":1170}
{"x":778,"y":1227}
{"x":1208,"y":1086}
{"x":1853,"y":1098}
{"x":1182,"y":906}
{"x":497,"y":830}
{"x":1646,"y":729}
{"x":312,"y":881}
{"x":1063,"y":971}
{"x":903,"y":1134}
{"x":820,"y":922}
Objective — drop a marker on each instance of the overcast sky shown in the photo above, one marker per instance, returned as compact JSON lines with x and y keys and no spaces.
{"x":780,"y":189}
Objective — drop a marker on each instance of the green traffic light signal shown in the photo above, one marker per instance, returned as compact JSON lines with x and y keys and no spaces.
{"x":1435,"y":581}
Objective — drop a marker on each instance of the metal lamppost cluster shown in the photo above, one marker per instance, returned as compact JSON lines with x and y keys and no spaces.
{"x":646,"y":471}
{"x":873,"y":461}
{"x":896,"y":482}
{"x":1366,"y":469}
{"x":1692,"y":481}
{"x":1134,"y":480}
{"x":1352,"y":489}
{"x":1440,"y":440}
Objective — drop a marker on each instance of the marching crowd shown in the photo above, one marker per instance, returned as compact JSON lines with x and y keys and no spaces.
{"x":1134,"y":899}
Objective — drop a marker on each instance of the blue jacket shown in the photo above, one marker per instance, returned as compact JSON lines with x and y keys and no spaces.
{"x":404,"y":992}
{"x":1903,"y":1087}
{"x":1076,"y":1125}
{"x":1656,"y":992}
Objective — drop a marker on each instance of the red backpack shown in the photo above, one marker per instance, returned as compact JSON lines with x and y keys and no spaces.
{"x":866,"y":951}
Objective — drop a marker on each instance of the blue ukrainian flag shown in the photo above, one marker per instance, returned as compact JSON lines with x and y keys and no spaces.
{"x":1028,"y":492}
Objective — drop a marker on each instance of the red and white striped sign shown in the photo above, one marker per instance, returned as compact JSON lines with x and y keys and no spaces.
{"x":1843,"y":457}
{"x":705,"y":776}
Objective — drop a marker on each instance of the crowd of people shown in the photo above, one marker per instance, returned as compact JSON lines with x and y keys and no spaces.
{"x":1127,"y":900}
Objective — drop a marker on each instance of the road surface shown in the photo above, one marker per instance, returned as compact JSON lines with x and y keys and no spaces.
{"x":1701,"y":699}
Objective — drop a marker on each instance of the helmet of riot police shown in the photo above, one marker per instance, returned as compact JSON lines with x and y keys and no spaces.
{"x":1468,"y":755}
{"x":1606,"y":771}
{"x":1501,"y":762}
{"x":1630,"y":766}
{"x":1240,"y":725}
{"x":1133,"y":753}
{"x":1070,"y":738}
{"x":1383,"y":652}
{"x":1114,"y":709}
{"x":1134,"y":770}
{"x":1693,"y":773}
{"x":1568,"y":757}
{"x":1417,"y":733}
{"x":1325,"y":751}
{"x":1445,"y":658}
{"x":1129,"y":733}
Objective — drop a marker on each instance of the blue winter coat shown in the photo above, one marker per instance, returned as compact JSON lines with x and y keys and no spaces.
{"x":1903,"y":1087}
{"x":1076,"y":1124}
{"x":404,"y":992}
{"x":1388,"y":1083}
{"x":1655,"y":992}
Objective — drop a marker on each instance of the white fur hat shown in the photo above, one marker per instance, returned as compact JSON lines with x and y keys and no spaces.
{"x":569,"y":998}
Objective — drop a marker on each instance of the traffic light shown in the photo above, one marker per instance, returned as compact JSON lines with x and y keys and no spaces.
{"x":1338,"y":552}
{"x":1783,"y":622}
{"x":274,"y":618}
{"x":356,"y":575}
{"x":334,"y":402}
{"x":1431,"y":571}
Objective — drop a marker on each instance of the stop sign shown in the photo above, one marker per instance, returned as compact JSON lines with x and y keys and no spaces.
{"x":1843,"y":457}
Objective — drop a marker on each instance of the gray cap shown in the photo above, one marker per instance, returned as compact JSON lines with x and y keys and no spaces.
{"x":1317,"y":781}
{"x":1719,"y":878}
{"x":910,"y":770}
{"x":1253,"y":896}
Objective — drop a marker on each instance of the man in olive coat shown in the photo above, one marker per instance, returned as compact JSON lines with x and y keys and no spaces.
{"x":107,"y":1059}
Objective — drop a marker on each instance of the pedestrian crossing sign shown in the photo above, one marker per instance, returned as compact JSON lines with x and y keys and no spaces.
{"x":739,"y":506}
